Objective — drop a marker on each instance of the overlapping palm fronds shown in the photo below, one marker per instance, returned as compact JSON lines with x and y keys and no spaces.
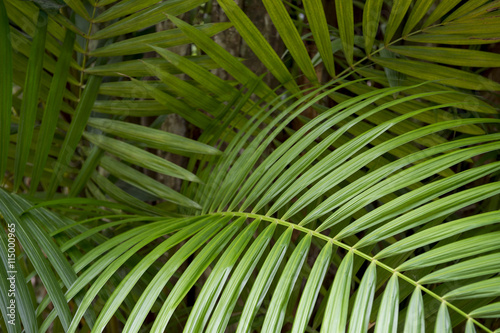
{"x":361,"y":196}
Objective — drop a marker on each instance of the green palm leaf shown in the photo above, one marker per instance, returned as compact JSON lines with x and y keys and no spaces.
{"x":276,"y":285}
{"x":364,"y":203}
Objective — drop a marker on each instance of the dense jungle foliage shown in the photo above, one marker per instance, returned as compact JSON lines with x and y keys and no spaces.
{"x":336,"y":171}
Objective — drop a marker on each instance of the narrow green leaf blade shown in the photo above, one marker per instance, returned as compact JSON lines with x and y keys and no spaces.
{"x":263,"y":281}
{"x":371,"y":18}
{"x":182,"y":88}
{"x":430,"y":211}
{"x":315,"y":14}
{"x":387,"y":319}
{"x":440,"y":232}
{"x":193,"y":272}
{"x":469,"y":27}
{"x":360,"y":316}
{"x":104,"y":271}
{"x":241,"y":275}
{"x":154,"y":288}
{"x":277,"y":308}
{"x":458,"y":39}
{"x":12,"y":214}
{"x":466,"y":8}
{"x":418,"y":11}
{"x":469,"y":327}
{"x":210,"y":292}
{"x":79,"y":8}
{"x":487,"y":288}
{"x":288,"y":32}
{"x":398,"y":12}
{"x":30,"y":99}
{"x":441,"y":9}
{"x":484,"y":265}
{"x":25,"y":305}
{"x":145,"y":183}
{"x":123,"y":8}
{"x":147,"y":18}
{"x":52,"y":108}
{"x":457,"y":250}
{"x":229,"y":63}
{"x":488,"y":311}
{"x":257,"y":43}
{"x":139,"y":157}
{"x":121,"y":196}
{"x":152,"y":137}
{"x":311,"y":290}
{"x":86,"y":171}
{"x":443,"y":323}
{"x":335,"y":318}
{"x":345,"y":17}
{"x":450,"y":56}
{"x":164,"y":39}
{"x":177,"y":106}
{"x":136,"y":68}
{"x":415,"y":320}
{"x":5,"y":88}
{"x":77,"y":126}
{"x":201,"y":75}
{"x":126,"y":285}
{"x":423,"y":194}
{"x":446,"y":75}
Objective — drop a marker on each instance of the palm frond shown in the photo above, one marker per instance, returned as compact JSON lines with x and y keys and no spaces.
{"x":356,"y":196}
{"x":368,"y":248}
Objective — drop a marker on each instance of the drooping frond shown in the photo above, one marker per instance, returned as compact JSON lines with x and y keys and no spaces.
{"x":375,"y":223}
{"x":357,"y":196}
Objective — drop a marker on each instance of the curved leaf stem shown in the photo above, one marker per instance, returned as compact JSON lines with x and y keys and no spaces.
{"x":357,"y":252}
